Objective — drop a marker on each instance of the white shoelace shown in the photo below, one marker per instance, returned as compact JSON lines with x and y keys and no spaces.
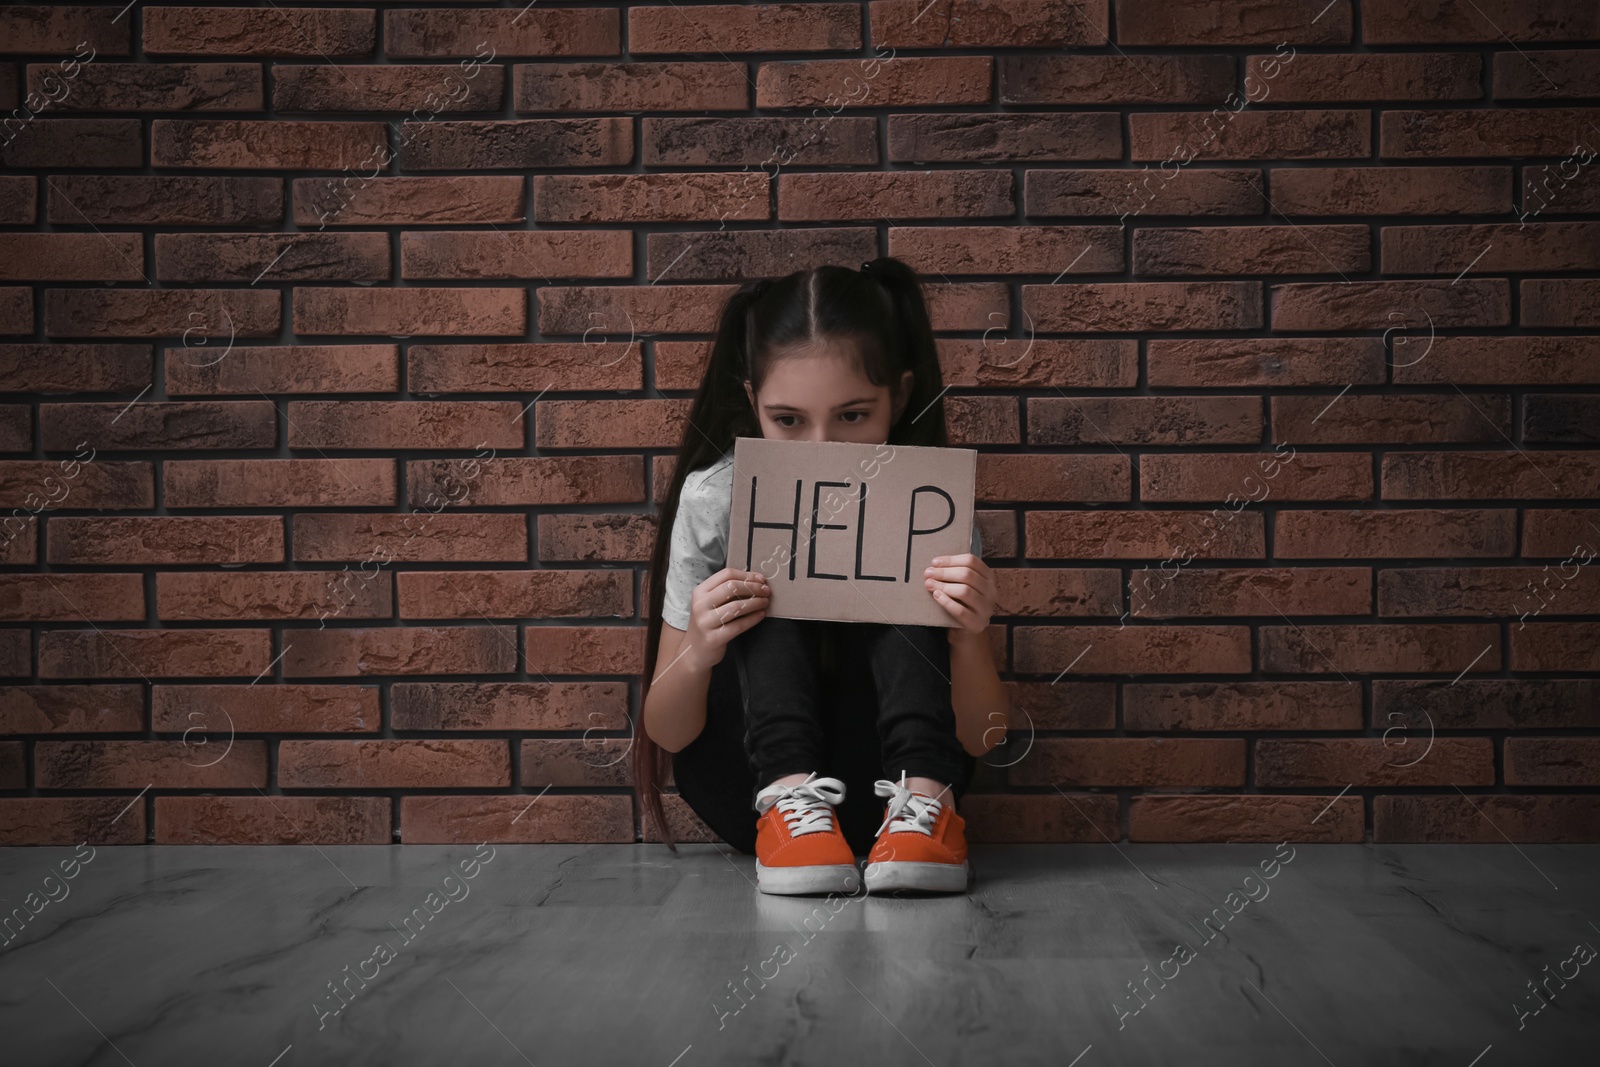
{"x":807,"y":806}
{"x":923,"y":810}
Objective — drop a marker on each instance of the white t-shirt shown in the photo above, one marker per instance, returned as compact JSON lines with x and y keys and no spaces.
{"x":700,"y":537}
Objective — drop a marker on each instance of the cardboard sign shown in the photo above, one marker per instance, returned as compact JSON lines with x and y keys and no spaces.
{"x":844,"y":531}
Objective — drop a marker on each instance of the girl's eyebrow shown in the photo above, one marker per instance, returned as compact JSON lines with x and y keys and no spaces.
{"x":847,"y":403}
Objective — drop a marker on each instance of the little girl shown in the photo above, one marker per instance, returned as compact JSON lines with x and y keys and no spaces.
{"x":826,"y":354}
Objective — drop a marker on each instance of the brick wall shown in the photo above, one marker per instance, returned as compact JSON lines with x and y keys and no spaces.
{"x":345,"y":350}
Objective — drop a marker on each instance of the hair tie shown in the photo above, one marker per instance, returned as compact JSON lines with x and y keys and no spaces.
{"x":866,"y":268}
{"x":761,"y":288}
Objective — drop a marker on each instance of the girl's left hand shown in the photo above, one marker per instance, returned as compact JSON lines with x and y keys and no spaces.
{"x":964,"y":586}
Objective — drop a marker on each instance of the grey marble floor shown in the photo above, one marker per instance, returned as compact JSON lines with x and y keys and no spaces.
{"x":614,"y":954}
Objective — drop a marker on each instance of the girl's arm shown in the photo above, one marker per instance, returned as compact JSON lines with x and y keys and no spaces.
{"x":981,"y":702}
{"x":964,"y":586}
{"x":674,"y":710}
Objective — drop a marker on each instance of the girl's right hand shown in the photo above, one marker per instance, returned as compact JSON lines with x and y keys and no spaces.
{"x":722,"y":607}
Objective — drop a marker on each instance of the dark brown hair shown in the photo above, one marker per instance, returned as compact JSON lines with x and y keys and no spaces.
{"x":881,"y":308}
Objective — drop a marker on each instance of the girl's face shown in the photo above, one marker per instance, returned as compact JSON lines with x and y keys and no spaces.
{"x":816,"y":392}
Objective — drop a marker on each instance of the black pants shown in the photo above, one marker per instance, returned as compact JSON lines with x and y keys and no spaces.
{"x":853,"y":701}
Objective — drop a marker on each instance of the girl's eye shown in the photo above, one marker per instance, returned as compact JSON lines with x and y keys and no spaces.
{"x":779,"y":420}
{"x":863,"y":415}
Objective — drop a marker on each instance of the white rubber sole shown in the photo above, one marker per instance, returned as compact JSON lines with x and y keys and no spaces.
{"x":890,"y":875}
{"x":810,"y":878}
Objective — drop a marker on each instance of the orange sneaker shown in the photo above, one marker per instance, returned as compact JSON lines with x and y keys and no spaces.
{"x":921,"y":844}
{"x":799,"y":846}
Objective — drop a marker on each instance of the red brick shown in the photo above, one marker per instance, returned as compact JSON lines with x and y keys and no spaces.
{"x":412,"y":310}
{"x":1392,"y":418}
{"x":650,"y":198}
{"x":913,"y":195}
{"x":1154,"y":420}
{"x":1117,"y":307}
{"x":1481,"y":133}
{"x":69,"y":367}
{"x":345,"y":651}
{"x":422,"y":89}
{"x":163,"y":199}
{"x":126,"y":653}
{"x":910,"y":81}
{"x":72,"y":598}
{"x":528,"y":594}
{"x":284,"y":369}
{"x":1325,"y":78}
{"x":1497,"y":591}
{"x":756,"y":253}
{"x":1555,"y":74}
{"x":1061,"y":818}
{"x":316,"y":595}
{"x":1491,"y":475}
{"x":53,"y":142}
{"x":1522,"y":360}
{"x":1553,"y":761}
{"x":601,"y":364}
{"x":265,"y":144}
{"x":1370,"y":761}
{"x":587,"y":706}
{"x":71,"y":709}
{"x":135,"y":87}
{"x":1389,"y":306}
{"x":1230,"y":478}
{"x":531,"y":817}
{"x":176,"y":425}
{"x":1218,"y":22}
{"x":1058,"y":592}
{"x":1163,"y":535}
{"x":1491,"y":248}
{"x":466,"y":144}
{"x":356,"y":200}
{"x":272,"y":820}
{"x":1416,"y":707}
{"x":811,"y":141}
{"x":1480,"y":818}
{"x":100,"y":483}
{"x":1232,"y":133}
{"x":1052,"y":479}
{"x":1240,"y":706}
{"x":1241,"y":361}
{"x":377,"y":539}
{"x":1556,"y":646}
{"x":72,"y":820}
{"x":1392,"y":190}
{"x":628,"y":86}
{"x":206,"y":314}
{"x":506,"y":254}
{"x":1213,"y":191}
{"x":261,"y":709}
{"x":731,"y":28}
{"x":1484,"y":21}
{"x":63,"y":27}
{"x":1123,"y":761}
{"x":393,"y":764}
{"x":1206,"y":592}
{"x":975,"y":24}
{"x":1561,"y":302}
{"x":1204,"y":250}
{"x":267,"y":483}
{"x":1227,"y":818}
{"x":1087,"y":650}
{"x":310,"y":33}
{"x":71,"y":257}
{"x":1559,"y":532}
{"x":1115,"y":79}
{"x":519,"y":480}
{"x":442,"y":33}
{"x":1394,"y":533}
{"x":1054,"y":706}
{"x":275,"y":257}
{"x":185,"y":764}
{"x":1004,"y":137}
{"x":1376,"y":648}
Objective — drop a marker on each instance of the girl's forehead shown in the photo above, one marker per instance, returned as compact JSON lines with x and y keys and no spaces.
{"x":818,"y":377}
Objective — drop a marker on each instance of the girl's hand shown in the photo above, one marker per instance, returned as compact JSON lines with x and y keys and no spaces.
{"x":722,"y":607}
{"x":964,"y":586}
